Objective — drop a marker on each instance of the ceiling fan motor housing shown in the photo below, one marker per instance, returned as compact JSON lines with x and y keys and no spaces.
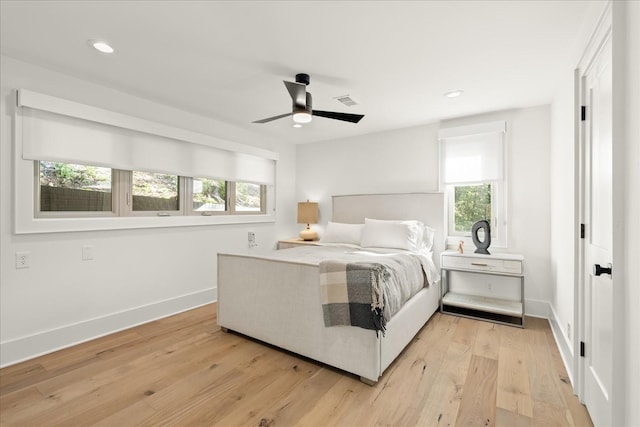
{"x":302,"y":105}
{"x":303,"y":78}
{"x":307,"y":107}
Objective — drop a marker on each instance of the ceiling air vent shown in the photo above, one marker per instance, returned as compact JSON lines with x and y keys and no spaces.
{"x":346,"y":100}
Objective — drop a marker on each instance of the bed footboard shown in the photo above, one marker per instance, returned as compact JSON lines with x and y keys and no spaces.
{"x":279,"y":303}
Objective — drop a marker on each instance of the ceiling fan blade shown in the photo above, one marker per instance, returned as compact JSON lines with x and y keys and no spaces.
{"x":345,"y":117}
{"x":272,"y":118}
{"x":298,"y":92}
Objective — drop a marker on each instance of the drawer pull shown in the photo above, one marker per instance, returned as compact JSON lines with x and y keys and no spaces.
{"x":479,"y":264}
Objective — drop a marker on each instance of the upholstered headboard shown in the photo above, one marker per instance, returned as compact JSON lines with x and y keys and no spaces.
{"x":425,"y":207}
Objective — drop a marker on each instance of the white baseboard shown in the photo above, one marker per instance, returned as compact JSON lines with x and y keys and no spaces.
{"x":537,"y":308}
{"x":24,"y":348}
{"x":544,"y":309}
{"x":562,"y":341}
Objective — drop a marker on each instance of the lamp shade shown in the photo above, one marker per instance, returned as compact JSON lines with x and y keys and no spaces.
{"x":307,"y":213}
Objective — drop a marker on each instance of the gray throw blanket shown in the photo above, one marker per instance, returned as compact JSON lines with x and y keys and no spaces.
{"x":353,"y":294}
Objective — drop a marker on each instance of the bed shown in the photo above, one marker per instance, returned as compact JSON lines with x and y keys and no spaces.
{"x":276,"y":297}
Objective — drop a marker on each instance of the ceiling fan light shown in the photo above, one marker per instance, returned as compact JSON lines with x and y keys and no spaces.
{"x":301,"y":117}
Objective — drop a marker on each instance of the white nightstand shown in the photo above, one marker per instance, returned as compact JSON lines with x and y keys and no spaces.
{"x":475,"y":305}
{"x":290,"y":243}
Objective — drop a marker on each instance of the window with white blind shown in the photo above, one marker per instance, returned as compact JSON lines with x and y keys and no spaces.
{"x":472,"y":174}
{"x":94,"y":164}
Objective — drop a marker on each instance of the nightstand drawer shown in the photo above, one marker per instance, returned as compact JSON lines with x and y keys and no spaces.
{"x":503,"y":266}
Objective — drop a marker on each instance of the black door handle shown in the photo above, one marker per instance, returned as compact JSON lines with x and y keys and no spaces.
{"x":598,"y":270}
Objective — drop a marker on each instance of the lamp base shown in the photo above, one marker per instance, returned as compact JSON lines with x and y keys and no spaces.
{"x":308,"y":234}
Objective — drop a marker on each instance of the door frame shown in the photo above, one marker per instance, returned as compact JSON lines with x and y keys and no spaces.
{"x":601,"y":34}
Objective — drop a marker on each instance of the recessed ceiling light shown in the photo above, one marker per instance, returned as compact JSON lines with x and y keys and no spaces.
{"x":296,"y":125}
{"x":454,"y":93}
{"x":101,"y":46}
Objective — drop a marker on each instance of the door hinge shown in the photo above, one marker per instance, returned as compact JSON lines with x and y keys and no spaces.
{"x":583,"y":113}
{"x":582,"y":231}
{"x":581,"y":348}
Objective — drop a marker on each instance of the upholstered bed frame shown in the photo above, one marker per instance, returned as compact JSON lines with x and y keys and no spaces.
{"x":278,"y":302}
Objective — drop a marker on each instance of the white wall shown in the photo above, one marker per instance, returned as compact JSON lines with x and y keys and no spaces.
{"x":137,"y":275}
{"x":564,"y":192}
{"x":563,"y":218}
{"x":528,"y":202}
{"x":626,"y":206}
{"x":406,"y":160}
{"x":626,"y":211}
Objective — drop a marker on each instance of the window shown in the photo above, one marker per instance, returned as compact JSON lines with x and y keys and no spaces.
{"x":471,"y":203}
{"x":155,"y":192}
{"x":83,"y":161}
{"x":78,"y":190}
{"x":472,"y":176}
{"x":209,"y":195}
{"x":248,"y":197}
{"x":64,"y":187}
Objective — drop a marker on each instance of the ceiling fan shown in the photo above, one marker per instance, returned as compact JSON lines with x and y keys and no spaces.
{"x":302,"y":110}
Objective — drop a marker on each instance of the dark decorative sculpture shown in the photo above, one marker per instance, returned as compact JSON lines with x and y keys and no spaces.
{"x":481,"y":245}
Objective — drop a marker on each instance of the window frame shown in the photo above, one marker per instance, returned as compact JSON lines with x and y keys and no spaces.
{"x":122,"y":200}
{"x":189,"y":200}
{"x":115,"y":196}
{"x":231,"y":196}
{"x":126,"y":202}
{"x":498,"y":213}
{"x":26,"y":218}
{"x":499,"y":222}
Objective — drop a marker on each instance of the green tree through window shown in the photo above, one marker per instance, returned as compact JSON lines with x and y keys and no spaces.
{"x":472,"y":203}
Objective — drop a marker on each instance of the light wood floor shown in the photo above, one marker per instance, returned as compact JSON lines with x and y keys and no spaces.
{"x":183,"y":370}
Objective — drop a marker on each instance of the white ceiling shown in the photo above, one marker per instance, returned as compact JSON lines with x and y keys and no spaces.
{"x":227,"y":59}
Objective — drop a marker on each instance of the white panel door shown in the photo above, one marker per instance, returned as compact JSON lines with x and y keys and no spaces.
{"x":598,"y":199}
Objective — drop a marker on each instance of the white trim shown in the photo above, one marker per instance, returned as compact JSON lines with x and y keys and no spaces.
{"x":578,"y":279}
{"x":601,"y":33}
{"x":536,"y":308}
{"x":469,"y":130}
{"x":27,"y":98}
{"x":28,"y":347}
{"x":545,"y":310}
{"x":24,"y":202}
{"x":565,"y":346}
{"x":58,"y":225}
{"x":598,"y":37}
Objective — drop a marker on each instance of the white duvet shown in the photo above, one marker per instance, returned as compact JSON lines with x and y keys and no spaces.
{"x":409,"y":282}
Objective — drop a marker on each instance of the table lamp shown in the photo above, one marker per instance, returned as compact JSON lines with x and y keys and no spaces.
{"x":308,"y":214}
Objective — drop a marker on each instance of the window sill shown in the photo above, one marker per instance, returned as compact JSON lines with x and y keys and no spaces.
{"x":452,"y":243}
{"x":61,"y":225}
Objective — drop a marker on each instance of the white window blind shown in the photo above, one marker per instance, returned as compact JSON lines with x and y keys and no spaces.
{"x":472,"y":154}
{"x":60,"y":136}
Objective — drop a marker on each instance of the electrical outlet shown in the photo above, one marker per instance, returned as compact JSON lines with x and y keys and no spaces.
{"x":23,"y":259}
{"x":251,"y":237}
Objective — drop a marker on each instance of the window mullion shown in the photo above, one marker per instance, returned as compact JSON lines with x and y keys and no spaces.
{"x":231,"y":197}
{"x":115,"y":192}
{"x":124,"y":190}
{"x":187,"y":200}
{"x":183,"y":197}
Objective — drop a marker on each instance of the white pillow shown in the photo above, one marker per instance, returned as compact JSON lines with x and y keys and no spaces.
{"x":427,"y":240}
{"x":409,"y":235}
{"x":388,"y":234}
{"x":337,"y":232}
